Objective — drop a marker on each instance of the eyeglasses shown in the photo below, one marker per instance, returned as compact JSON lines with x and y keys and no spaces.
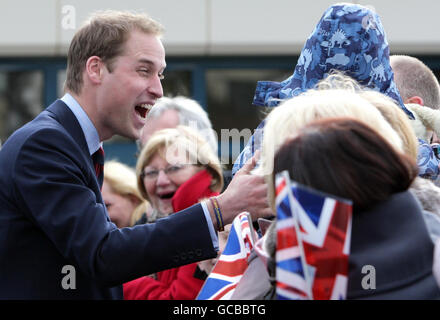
{"x":152,"y":174}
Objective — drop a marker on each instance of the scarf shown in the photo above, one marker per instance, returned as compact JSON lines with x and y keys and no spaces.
{"x":192,"y":191}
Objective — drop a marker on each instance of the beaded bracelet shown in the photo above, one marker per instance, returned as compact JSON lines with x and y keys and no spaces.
{"x":218,"y":214}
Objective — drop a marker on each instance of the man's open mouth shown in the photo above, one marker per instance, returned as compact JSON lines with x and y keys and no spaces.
{"x":143,"y":109}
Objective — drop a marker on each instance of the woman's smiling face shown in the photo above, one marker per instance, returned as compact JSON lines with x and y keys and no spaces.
{"x":162,"y":179}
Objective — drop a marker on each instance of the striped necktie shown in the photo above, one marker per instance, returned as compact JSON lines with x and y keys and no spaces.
{"x":98,"y":162}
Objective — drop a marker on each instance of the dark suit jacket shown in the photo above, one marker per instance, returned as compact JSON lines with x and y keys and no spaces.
{"x":52,"y":215}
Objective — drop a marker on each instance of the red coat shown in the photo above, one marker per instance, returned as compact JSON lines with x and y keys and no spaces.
{"x":178,"y":283}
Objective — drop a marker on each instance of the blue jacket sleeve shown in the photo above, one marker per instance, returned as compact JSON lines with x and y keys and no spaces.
{"x":55,"y":189}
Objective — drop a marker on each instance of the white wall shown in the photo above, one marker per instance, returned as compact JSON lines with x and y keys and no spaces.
{"x":211,"y":27}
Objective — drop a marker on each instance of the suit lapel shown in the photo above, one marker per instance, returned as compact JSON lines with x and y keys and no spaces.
{"x":68,"y":120}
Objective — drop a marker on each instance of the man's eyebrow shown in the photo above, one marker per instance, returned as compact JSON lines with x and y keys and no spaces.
{"x":147,"y":61}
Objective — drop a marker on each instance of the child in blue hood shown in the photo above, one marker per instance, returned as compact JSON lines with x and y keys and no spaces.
{"x":349,"y":38}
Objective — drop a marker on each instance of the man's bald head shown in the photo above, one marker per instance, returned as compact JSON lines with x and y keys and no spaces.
{"x":414,"y":79}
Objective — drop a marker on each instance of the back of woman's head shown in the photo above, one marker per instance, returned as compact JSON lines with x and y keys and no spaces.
{"x":121,"y":179}
{"x":392,"y":113}
{"x":396,"y":117}
{"x":286,"y":120}
{"x":294,"y":114}
{"x":347,"y":158}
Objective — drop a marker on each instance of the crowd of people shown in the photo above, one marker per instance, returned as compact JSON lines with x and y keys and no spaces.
{"x":351,"y":121}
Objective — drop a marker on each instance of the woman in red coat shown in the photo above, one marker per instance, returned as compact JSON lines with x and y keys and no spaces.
{"x":176,"y":169}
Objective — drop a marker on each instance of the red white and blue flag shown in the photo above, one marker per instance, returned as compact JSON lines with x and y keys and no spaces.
{"x":290,"y":258}
{"x":233,"y":261}
{"x":313,"y":242}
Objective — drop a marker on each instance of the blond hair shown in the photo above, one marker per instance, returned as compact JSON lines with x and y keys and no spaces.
{"x":396,"y":117}
{"x":196,"y":149}
{"x":292,"y":115}
{"x":104,"y":35}
{"x":122,"y":180}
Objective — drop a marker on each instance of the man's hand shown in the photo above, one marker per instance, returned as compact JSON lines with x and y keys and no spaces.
{"x":246,"y":192}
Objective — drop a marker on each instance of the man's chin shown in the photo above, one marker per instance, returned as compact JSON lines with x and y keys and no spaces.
{"x":136,"y":135}
{"x":133,"y":134}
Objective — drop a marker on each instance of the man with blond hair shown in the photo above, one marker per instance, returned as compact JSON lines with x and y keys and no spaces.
{"x":56,"y":238}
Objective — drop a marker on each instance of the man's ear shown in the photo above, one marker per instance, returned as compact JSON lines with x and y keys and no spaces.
{"x":94,"y":69}
{"x":416,"y":100}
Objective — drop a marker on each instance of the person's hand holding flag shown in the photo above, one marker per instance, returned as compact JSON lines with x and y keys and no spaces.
{"x":246,"y":192}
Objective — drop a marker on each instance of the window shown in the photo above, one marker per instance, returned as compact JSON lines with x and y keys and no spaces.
{"x":230,"y":93}
{"x":21,"y":99}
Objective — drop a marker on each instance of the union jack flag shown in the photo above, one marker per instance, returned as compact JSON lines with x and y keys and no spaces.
{"x":232,"y":263}
{"x":313,"y":234}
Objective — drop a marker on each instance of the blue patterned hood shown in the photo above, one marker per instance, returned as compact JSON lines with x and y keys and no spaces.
{"x":349,"y":38}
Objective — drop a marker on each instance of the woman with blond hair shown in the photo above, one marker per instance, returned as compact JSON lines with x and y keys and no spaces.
{"x":288,"y":119}
{"x":176,"y":169}
{"x":293,"y":114}
{"x":339,"y":98}
{"x":423,"y":188}
{"x":182,"y":152}
{"x":353,"y":161}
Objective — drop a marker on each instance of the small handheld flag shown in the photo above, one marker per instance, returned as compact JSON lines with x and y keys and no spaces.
{"x":314,"y":233}
{"x":232,"y":263}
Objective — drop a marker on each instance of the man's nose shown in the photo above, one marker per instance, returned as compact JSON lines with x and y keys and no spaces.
{"x":155,"y":87}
